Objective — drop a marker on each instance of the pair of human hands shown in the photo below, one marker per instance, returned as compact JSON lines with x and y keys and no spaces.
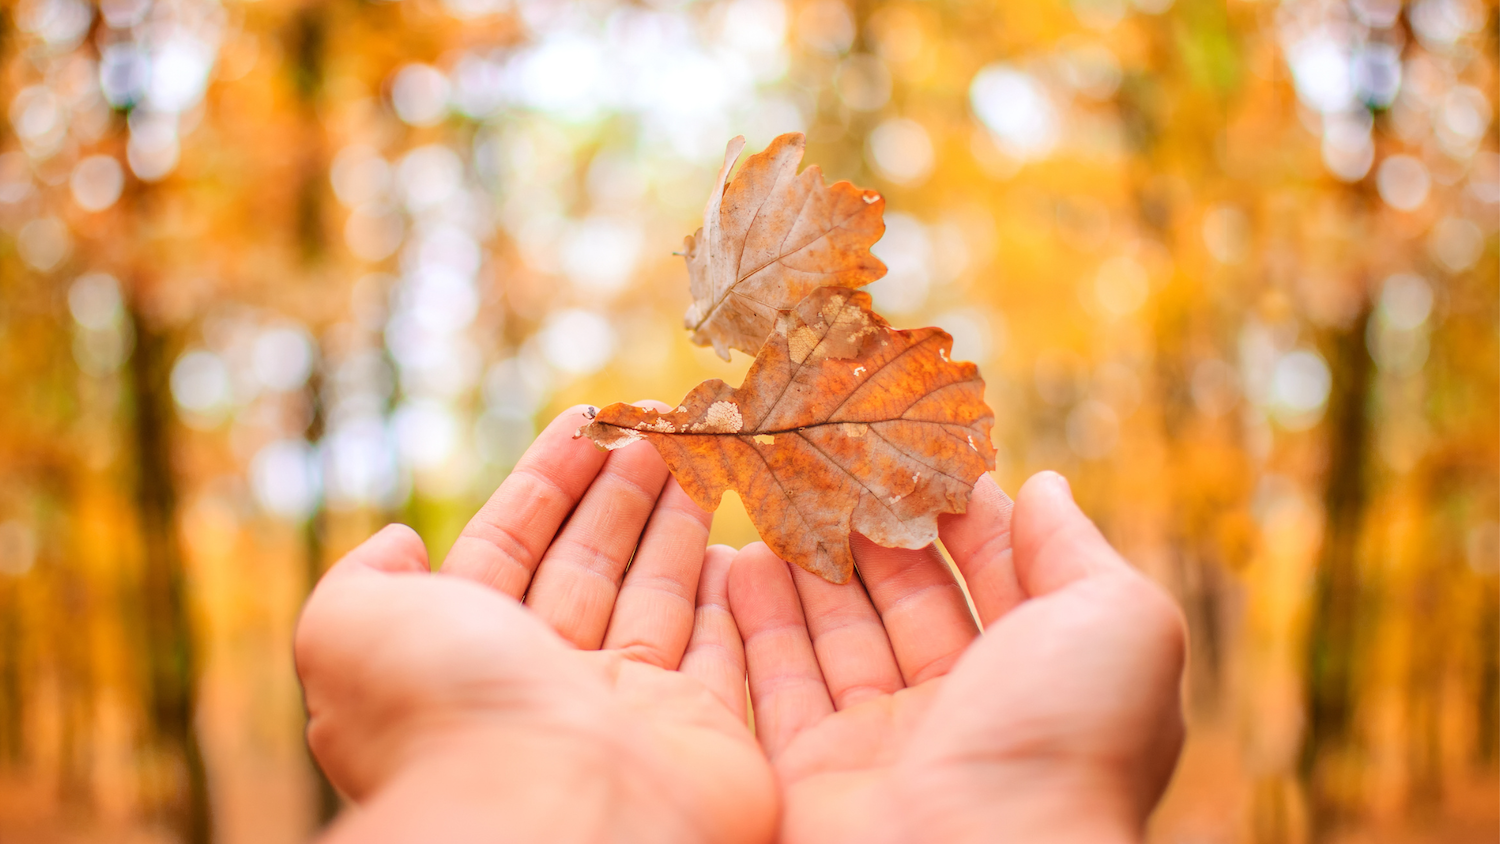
{"x":576,"y":672}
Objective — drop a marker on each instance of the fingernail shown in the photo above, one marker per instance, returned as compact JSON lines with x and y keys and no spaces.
{"x":1060,"y":482}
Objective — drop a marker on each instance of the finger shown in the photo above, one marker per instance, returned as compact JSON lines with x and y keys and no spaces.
{"x":979,"y":542}
{"x":1086,"y":678}
{"x":1055,"y":543}
{"x":715,"y":656}
{"x":653,"y":615}
{"x":394,"y":549}
{"x":853,"y":650}
{"x":920,"y":604}
{"x":786,"y":685}
{"x":576,"y":582}
{"x":502,"y":544}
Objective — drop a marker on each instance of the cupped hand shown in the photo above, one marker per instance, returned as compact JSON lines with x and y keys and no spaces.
{"x":571,"y":674}
{"x":888,"y":717}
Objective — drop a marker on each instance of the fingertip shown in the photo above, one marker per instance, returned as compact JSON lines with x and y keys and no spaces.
{"x":745,"y":564}
{"x":759,"y":582}
{"x":987,"y":505}
{"x":713,"y":582}
{"x":394,"y":549}
{"x":564,"y":431}
{"x":715,"y":654}
{"x":1055,"y":542}
{"x":679,"y":497}
{"x":754,"y":554}
{"x":989,"y":510}
{"x":403,"y":549}
{"x":503,"y":543}
{"x":718,"y":558}
{"x":401,"y":535}
{"x":1046,"y":497}
{"x":577,"y":415}
{"x":980,"y":543}
{"x":859,"y":545}
{"x":1046,"y":485}
{"x":787,"y":690}
{"x":652,"y":404}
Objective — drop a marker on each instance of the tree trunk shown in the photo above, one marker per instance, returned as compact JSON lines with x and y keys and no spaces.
{"x":12,"y":677}
{"x":171,"y":659}
{"x":1488,"y":698}
{"x":1333,"y":642}
{"x":309,"y":44}
{"x":314,"y":547}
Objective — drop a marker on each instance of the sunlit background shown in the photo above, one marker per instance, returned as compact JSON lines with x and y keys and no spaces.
{"x":275,"y":273}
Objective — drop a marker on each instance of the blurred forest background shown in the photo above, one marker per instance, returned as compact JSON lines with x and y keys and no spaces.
{"x":274,"y":273}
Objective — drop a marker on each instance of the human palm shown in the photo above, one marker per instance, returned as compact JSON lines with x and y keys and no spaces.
{"x":887,"y":717}
{"x":453,"y":711}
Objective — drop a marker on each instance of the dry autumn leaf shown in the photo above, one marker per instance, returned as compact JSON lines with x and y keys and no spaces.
{"x":843,"y":423}
{"x":770,"y":237}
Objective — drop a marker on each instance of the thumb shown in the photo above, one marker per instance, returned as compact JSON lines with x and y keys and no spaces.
{"x":1055,"y":543}
{"x":394,"y":549}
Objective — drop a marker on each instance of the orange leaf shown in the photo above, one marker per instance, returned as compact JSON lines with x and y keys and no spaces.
{"x":843,"y":423}
{"x":770,"y":237}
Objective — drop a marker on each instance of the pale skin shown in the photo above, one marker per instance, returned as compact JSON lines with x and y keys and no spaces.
{"x":576,"y":671}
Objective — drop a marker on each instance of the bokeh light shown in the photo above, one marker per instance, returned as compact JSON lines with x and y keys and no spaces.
{"x":96,"y":182}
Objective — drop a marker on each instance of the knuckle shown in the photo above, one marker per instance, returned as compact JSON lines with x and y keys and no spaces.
{"x":319,"y":740}
{"x":1159,"y":616}
{"x":648,"y":653}
{"x":307,"y":641}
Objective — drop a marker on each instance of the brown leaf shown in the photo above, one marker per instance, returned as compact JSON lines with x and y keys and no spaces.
{"x":769,"y":238}
{"x":843,"y":423}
